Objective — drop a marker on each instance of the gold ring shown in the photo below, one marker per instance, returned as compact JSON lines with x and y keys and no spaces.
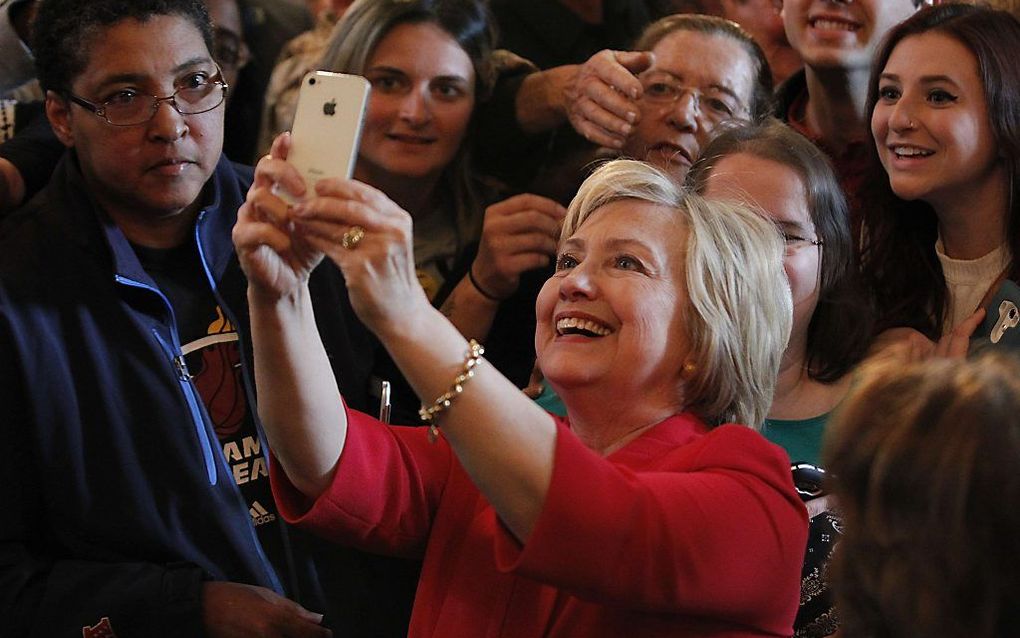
{"x":352,"y":237}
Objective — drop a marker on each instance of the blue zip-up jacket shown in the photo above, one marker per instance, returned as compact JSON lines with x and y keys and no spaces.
{"x":116,"y":501}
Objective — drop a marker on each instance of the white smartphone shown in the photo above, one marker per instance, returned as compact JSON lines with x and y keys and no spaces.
{"x":327,"y":125}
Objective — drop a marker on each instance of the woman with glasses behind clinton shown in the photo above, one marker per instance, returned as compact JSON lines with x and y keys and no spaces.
{"x":430,"y":65}
{"x":783,"y":176}
{"x":645,"y":512}
{"x":786,"y":178}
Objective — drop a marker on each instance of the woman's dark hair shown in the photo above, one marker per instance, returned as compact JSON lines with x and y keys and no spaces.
{"x":63,"y":31}
{"x":924,"y":458}
{"x":840,"y":329}
{"x":899,"y":260}
{"x":366,"y":23}
{"x":761,"y":73}
{"x":471,"y":26}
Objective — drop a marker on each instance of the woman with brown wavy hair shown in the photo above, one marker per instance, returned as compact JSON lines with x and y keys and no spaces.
{"x":943,"y":230}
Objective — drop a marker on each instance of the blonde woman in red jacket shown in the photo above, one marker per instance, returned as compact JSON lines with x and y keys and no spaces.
{"x":645,"y":512}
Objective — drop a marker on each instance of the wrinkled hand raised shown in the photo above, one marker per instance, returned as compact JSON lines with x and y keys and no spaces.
{"x":602,"y":99}
{"x":275,"y":260}
{"x":378,"y":260}
{"x":519,"y":234}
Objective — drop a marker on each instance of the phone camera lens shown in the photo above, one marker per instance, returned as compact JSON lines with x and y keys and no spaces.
{"x":311,"y":81}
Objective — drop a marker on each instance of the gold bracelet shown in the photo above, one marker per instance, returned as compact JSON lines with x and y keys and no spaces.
{"x":428,"y":413}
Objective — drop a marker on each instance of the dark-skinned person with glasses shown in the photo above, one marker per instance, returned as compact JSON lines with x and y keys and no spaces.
{"x":30,"y":151}
{"x":136,"y":473}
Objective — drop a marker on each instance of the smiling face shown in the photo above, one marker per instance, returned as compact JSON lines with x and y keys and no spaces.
{"x":778,"y":192}
{"x":155,"y":169}
{"x":422,"y":98}
{"x":931,"y":124}
{"x":841,"y":35}
{"x":612,"y":314}
{"x":671,"y":133}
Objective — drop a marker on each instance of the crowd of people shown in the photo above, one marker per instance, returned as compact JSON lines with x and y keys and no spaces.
{"x":636,"y":318}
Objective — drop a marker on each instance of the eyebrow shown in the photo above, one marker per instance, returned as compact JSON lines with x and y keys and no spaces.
{"x":381,"y":68}
{"x":615,"y":243}
{"x":137,"y":78}
{"x":572,"y":242}
{"x":785,"y":224}
{"x":396,"y":71}
{"x":924,"y":79}
{"x":622,"y":242}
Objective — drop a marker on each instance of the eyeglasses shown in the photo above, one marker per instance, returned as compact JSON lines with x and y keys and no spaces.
{"x":129,"y":108}
{"x":795,"y":242}
{"x":711,"y":103}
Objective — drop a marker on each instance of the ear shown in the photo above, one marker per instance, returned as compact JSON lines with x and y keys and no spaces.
{"x":58,"y":110}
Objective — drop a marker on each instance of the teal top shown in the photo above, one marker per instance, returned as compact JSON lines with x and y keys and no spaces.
{"x":802,"y":439}
{"x":550,"y":401}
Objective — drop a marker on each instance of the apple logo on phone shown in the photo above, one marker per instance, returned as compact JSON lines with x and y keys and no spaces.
{"x":329,"y":108}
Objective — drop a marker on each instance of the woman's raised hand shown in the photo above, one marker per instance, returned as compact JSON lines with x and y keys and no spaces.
{"x":276,"y":260}
{"x":912,"y":346}
{"x":955,"y":344}
{"x":518,"y":235}
{"x":370,"y":238}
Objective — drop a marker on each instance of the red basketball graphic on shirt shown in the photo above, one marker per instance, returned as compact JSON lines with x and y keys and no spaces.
{"x":220,"y":384}
{"x":217,"y":376}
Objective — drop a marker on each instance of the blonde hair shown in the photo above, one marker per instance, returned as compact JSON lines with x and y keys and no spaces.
{"x":739,"y":311}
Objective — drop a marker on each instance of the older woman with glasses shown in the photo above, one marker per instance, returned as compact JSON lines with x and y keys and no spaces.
{"x":659,"y":102}
{"x":641,"y":513}
{"x":706,"y":71}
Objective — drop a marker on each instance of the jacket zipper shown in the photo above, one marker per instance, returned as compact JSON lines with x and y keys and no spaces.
{"x":249,"y":395}
{"x":173,"y":351}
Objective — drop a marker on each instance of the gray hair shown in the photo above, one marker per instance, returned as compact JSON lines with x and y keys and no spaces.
{"x":760,"y":105}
